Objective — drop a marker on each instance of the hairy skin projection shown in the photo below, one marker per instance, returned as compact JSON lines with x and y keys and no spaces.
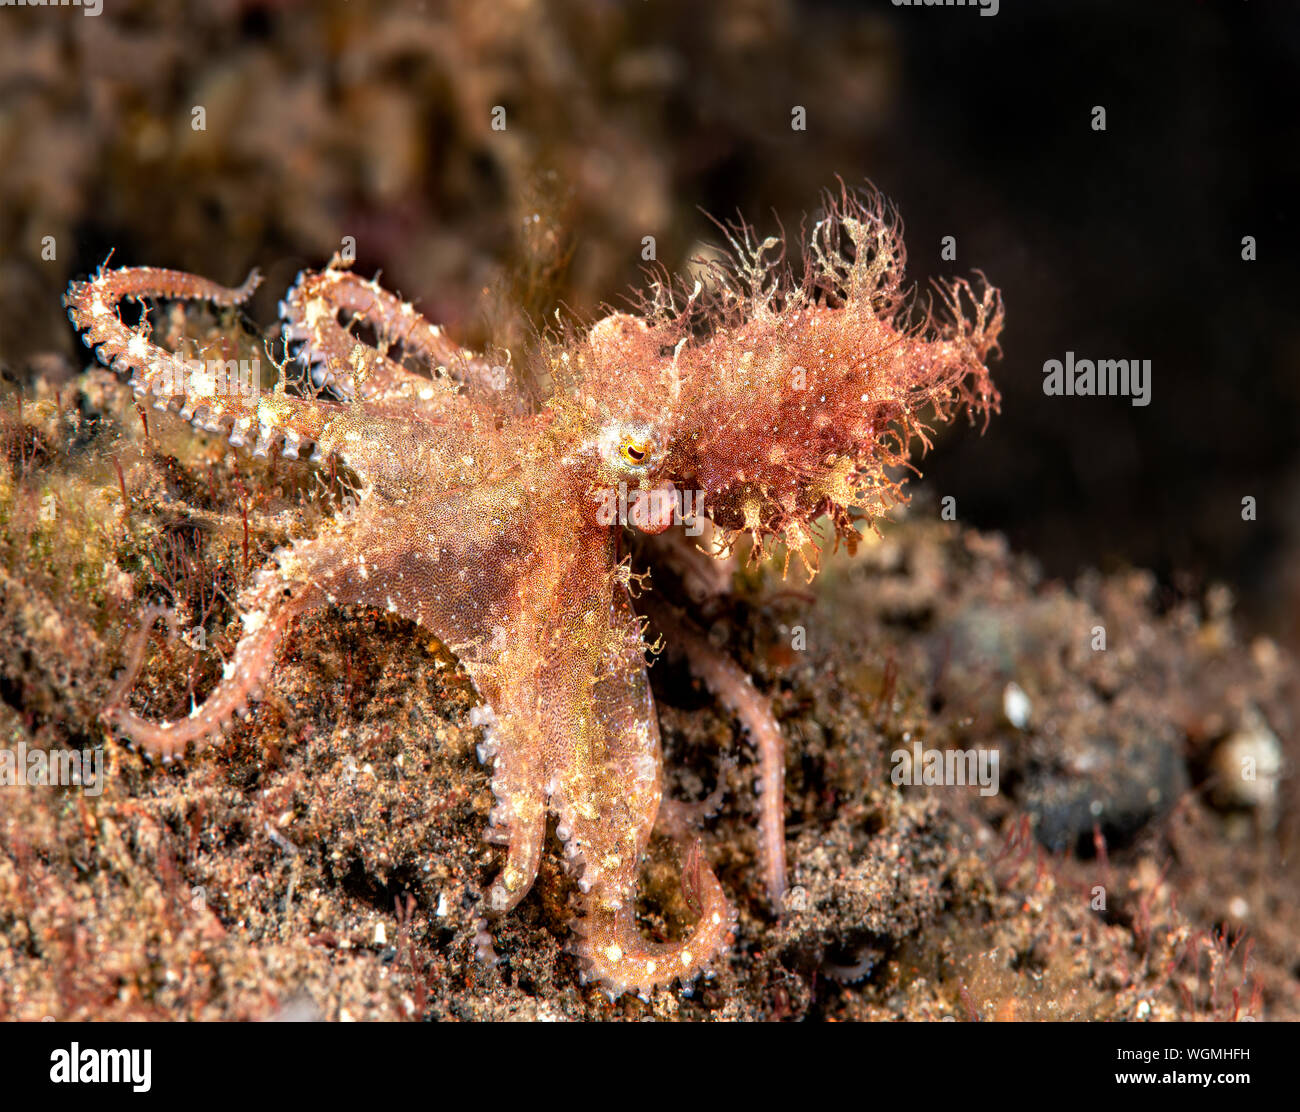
{"x":783,"y":396}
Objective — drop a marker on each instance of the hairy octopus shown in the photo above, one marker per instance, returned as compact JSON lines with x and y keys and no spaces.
{"x":482,"y":516}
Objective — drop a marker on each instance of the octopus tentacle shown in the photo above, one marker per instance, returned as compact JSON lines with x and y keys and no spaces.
{"x":518,"y":820}
{"x":266,"y":614}
{"x":607,"y":792}
{"x":112,"y":286}
{"x":735,"y":690}
{"x":135,"y":648}
{"x":308,"y":574}
{"x":678,"y":817}
{"x":335,"y":357}
{"x":208,"y":398}
{"x":614,"y":952}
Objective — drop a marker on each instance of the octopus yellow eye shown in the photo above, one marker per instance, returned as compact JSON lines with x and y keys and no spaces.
{"x":633,"y":451}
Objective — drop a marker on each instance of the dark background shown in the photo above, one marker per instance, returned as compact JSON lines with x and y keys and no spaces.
{"x":625,"y":119}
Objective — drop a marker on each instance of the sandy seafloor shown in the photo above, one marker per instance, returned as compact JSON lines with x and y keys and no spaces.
{"x":327,"y":859}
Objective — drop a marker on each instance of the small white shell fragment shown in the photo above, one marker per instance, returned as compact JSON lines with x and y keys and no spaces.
{"x":1016,"y":705}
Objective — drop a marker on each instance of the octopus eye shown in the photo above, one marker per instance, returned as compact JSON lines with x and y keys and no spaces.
{"x":634,"y":452}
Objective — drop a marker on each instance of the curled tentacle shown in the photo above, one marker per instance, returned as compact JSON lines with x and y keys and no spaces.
{"x":266,"y":614}
{"x":213,"y":395}
{"x":337,"y":358}
{"x":607,"y":794}
{"x":614,"y":952}
{"x":308,"y":574}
